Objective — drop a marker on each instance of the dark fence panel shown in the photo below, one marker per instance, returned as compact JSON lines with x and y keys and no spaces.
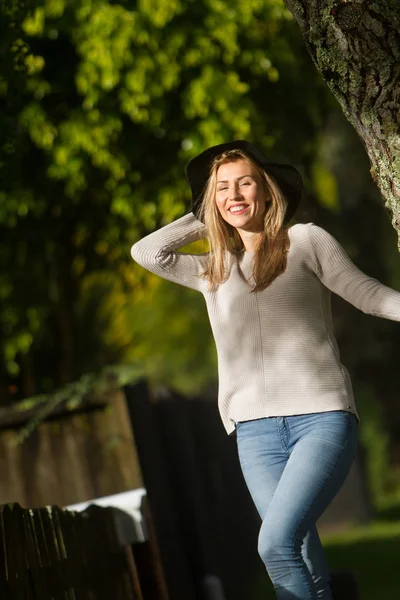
{"x":205,"y":520}
{"x":155,"y":467}
{"x":148,"y":560}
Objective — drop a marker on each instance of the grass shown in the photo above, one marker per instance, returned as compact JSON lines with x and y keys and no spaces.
{"x":371,"y":552}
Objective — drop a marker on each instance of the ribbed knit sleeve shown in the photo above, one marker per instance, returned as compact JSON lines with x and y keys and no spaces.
{"x":339,"y":274}
{"x":157,"y":252}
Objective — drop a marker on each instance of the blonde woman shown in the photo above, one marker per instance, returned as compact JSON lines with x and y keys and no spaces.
{"x":282,"y":387}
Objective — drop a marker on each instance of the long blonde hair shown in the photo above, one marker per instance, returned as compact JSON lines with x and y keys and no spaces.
{"x":270,"y":259}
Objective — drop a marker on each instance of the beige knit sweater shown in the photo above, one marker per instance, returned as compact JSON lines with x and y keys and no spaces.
{"x":277,"y":353}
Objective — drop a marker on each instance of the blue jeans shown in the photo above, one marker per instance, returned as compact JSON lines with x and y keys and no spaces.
{"x":293,"y":467}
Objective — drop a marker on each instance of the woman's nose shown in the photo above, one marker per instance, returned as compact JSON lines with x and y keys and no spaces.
{"x":234,"y":194}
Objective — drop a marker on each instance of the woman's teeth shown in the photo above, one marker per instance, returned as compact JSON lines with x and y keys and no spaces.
{"x":238,"y":209}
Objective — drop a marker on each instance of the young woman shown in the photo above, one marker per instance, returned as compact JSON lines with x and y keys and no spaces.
{"x":282,"y":387}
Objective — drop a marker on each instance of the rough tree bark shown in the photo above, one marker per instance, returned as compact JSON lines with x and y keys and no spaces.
{"x":355,"y":45}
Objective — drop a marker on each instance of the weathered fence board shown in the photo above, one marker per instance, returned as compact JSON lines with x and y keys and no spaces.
{"x":53,"y":554}
{"x":71,"y":458}
{"x":133,"y":527}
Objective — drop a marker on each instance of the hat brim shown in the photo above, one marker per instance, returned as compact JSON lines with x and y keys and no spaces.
{"x":287,"y":176}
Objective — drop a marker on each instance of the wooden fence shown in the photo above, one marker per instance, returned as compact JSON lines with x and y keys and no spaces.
{"x":73,"y":456}
{"x":177,"y":450}
{"x":55,"y":554}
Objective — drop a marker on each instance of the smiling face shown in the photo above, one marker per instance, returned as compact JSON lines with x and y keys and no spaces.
{"x":240,"y":196}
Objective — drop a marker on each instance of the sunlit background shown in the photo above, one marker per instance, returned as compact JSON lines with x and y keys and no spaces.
{"x":102,"y":104}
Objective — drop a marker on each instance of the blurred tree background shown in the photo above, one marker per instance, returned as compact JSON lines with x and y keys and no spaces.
{"x":102,"y":104}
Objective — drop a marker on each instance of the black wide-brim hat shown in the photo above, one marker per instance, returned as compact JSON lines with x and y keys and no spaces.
{"x":287,"y":177}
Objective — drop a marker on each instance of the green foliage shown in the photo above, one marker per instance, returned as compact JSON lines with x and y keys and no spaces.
{"x":325,"y":186}
{"x":71,"y":395}
{"x":103,"y":103}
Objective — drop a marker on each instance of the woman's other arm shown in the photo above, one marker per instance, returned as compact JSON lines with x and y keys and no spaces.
{"x":338,"y":273}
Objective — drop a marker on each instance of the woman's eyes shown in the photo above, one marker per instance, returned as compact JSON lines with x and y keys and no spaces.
{"x":246,"y":183}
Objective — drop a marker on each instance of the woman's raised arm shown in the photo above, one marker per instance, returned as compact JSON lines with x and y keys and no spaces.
{"x":157,"y":252}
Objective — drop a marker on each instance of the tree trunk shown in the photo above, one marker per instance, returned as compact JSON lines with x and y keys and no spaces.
{"x":356,"y":48}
